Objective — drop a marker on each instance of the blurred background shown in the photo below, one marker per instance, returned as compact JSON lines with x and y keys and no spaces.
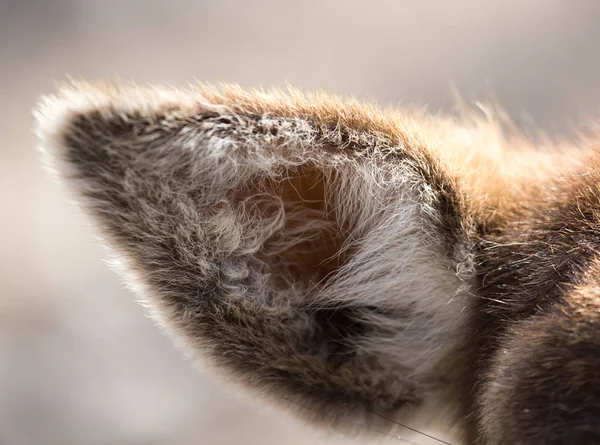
{"x":79,"y":362}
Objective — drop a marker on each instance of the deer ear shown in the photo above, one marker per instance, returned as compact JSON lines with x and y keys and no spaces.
{"x":305,"y":245}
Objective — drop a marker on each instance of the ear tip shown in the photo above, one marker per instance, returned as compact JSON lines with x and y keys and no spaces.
{"x":54,"y":112}
{"x":69,"y":98}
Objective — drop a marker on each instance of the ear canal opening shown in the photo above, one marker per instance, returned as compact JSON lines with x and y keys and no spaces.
{"x":307,"y":242}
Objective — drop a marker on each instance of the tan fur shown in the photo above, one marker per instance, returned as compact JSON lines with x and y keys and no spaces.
{"x":337,"y":259}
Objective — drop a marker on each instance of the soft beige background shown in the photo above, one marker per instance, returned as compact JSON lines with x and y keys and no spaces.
{"x":79,"y":363}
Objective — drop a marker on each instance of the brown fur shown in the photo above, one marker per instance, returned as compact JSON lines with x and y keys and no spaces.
{"x":343,"y":260}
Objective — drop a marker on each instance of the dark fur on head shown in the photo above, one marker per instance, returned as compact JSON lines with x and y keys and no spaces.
{"x":344,"y":261}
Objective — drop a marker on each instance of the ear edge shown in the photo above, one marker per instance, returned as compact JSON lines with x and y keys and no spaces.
{"x":324,"y":110}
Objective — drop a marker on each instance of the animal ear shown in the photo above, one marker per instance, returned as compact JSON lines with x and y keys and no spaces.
{"x":304,"y":246}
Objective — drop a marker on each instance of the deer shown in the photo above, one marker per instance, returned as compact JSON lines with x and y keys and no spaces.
{"x":349,"y":263}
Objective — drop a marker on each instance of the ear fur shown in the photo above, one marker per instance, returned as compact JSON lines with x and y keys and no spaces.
{"x":310,"y":248}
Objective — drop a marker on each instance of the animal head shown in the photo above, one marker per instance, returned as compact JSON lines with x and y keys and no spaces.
{"x":347,"y":262}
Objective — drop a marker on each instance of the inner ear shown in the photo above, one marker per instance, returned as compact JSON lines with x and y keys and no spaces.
{"x":308,"y":247}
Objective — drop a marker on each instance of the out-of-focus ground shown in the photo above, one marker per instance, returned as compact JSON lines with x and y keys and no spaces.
{"x":79,"y":362}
